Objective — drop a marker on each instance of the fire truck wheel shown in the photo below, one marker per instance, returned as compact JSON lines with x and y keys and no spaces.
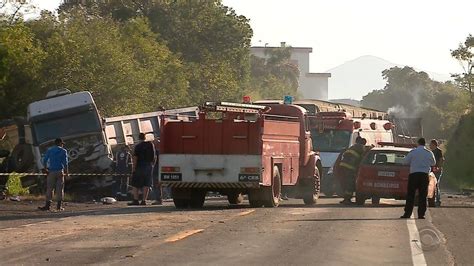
{"x":180,"y":203}
{"x":273,"y":193}
{"x":375,"y":200}
{"x":314,"y":186}
{"x":235,"y":198}
{"x":360,"y":199}
{"x":197,"y":199}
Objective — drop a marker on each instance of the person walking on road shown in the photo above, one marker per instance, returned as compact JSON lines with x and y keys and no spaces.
{"x":420,"y":160}
{"x":55,"y":163}
{"x":349,"y":166}
{"x":157,"y":188}
{"x":144,"y":158}
{"x":438,"y":168}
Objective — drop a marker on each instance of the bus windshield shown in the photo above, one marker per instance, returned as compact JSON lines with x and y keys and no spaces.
{"x":79,"y":123}
{"x":330,"y":140}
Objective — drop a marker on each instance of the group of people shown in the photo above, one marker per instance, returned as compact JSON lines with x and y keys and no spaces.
{"x":140,"y":164}
{"x":422,"y":161}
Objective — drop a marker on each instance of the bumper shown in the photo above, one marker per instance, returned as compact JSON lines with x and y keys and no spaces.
{"x":214,"y":185}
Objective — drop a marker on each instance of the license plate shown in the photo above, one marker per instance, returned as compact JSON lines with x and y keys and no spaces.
{"x":386,"y":185}
{"x":171,"y":177}
{"x":386,"y":174}
{"x":249,"y":178}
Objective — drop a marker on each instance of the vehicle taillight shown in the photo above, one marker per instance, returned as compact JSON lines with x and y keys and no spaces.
{"x":170,"y":169}
{"x":250,"y":170}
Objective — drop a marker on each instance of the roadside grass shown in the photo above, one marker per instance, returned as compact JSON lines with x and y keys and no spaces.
{"x":14,"y":187}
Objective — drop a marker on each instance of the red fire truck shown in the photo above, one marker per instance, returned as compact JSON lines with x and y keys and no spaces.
{"x":237,"y":149}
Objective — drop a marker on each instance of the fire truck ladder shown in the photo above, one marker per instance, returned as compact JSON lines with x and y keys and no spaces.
{"x":233,"y":107}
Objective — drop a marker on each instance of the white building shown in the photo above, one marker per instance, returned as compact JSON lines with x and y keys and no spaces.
{"x":311,"y":85}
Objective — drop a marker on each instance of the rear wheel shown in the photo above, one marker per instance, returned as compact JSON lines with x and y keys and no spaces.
{"x":312,"y":196}
{"x":360,"y":199}
{"x":375,"y":200}
{"x":197,"y":199}
{"x":181,"y":203}
{"x":273,"y":193}
{"x":235,"y":198}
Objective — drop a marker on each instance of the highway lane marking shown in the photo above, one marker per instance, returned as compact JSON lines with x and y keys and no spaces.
{"x":417,"y":256}
{"x":245,"y":213}
{"x":183,"y":235}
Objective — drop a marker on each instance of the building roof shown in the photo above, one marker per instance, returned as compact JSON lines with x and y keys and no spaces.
{"x":296,"y":49}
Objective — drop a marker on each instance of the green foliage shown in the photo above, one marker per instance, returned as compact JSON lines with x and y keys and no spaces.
{"x":409,"y":93}
{"x":465,"y":55}
{"x":21,"y":58}
{"x":459,"y":170}
{"x":275,"y":76}
{"x":14,"y":187}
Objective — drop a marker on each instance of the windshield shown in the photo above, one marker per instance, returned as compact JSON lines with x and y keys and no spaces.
{"x":385,"y":158}
{"x":330,"y":140}
{"x":62,"y":127}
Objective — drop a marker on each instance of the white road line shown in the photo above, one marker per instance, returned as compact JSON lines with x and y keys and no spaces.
{"x":417,"y":256}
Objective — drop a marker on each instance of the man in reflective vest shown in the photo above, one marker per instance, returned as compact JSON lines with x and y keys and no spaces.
{"x":349,"y":166}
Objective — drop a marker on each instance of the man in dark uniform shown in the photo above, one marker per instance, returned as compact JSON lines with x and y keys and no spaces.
{"x":123,"y":165}
{"x":144,"y":158}
{"x":349,"y":166}
{"x":438,"y":168}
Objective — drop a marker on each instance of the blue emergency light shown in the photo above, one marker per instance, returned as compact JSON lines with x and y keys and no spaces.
{"x":288,"y":99}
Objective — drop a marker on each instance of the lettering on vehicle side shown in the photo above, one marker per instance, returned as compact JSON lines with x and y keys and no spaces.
{"x":249,"y":178}
{"x":171,"y":177}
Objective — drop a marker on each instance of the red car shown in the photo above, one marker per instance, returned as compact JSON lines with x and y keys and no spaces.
{"x":382,"y":174}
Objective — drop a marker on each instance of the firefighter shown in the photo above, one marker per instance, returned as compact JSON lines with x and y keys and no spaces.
{"x":438,"y":168}
{"x":349,"y":165}
{"x":123,"y":164}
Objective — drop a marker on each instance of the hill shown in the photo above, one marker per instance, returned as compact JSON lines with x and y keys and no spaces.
{"x":356,"y":78}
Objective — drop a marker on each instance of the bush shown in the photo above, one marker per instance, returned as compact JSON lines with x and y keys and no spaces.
{"x":459,"y":169}
{"x":14,"y":187}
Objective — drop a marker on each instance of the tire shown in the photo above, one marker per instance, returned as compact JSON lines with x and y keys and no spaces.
{"x":181,"y":203}
{"x":21,"y":158}
{"x":312,"y":196}
{"x":360,"y":199}
{"x":273,"y":193}
{"x":256,"y":203}
{"x":235,"y":198}
{"x":375,"y":200}
{"x":197,"y":199}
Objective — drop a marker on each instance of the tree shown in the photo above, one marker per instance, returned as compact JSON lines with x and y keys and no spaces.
{"x":409,"y":93}
{"x":21,"y":58}
{"x":465,"y":55}
{"x":210,"y":39}
{"x":274,"y":76}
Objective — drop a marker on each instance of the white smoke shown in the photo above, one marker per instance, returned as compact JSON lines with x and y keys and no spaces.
{"x":397,"y":111}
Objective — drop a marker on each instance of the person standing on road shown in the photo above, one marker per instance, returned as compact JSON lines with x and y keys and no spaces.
{"x":420,"y":160}
{"x":438,"y":168}
{"x":55,"y":164}
{"x":123,"y":164}
{"x":349,"y":166}
{"x":144,"y":158}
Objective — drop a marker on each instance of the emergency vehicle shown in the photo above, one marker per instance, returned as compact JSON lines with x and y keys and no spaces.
{"x":237,"y":149}
{"x":382,"y":174}
{"x":333,"y":132}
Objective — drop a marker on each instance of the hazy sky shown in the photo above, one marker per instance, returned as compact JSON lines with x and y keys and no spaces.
{"x":418,"y":33}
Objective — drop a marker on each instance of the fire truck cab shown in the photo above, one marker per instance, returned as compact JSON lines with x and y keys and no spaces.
{"x":237,"y":149}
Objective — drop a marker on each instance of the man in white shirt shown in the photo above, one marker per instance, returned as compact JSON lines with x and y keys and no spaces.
{"x":420,"y":160}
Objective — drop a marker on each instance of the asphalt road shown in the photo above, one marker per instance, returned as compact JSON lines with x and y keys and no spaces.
{"x":221,"y":234}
